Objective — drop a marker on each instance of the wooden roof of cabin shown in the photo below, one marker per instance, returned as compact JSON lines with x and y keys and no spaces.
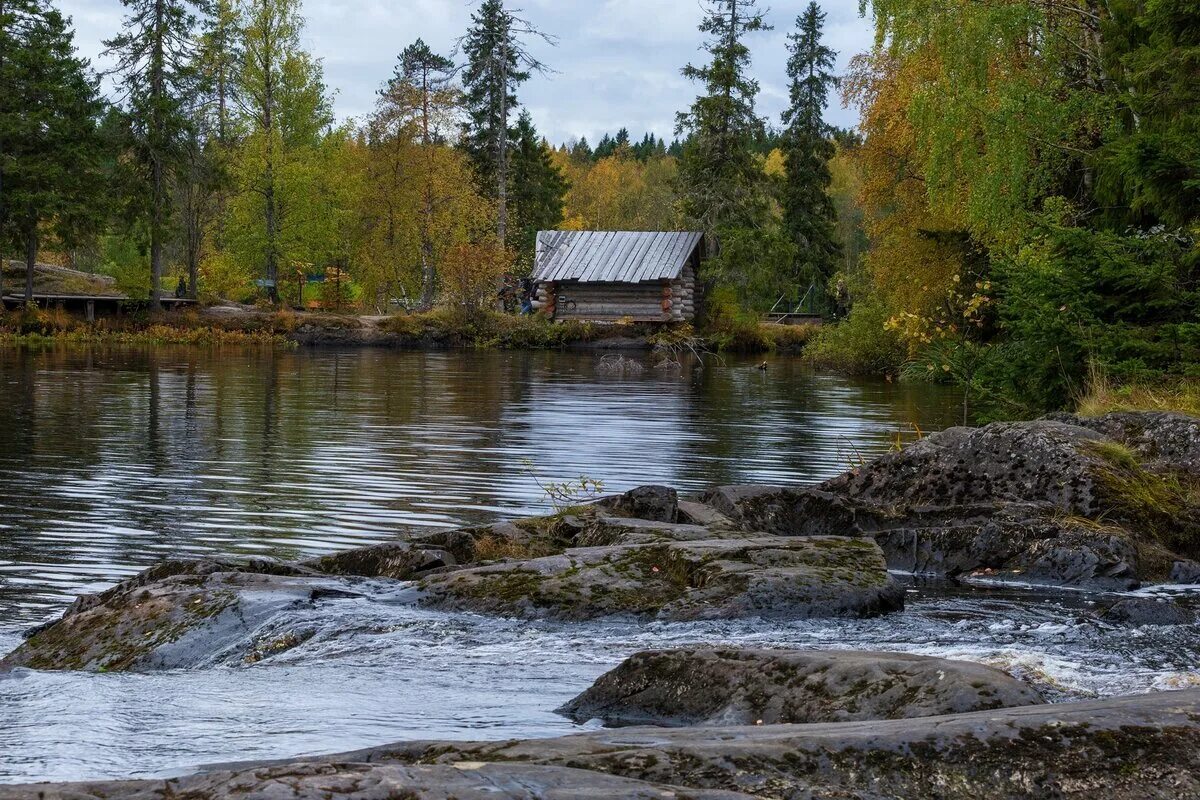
{"x":613,"y":256}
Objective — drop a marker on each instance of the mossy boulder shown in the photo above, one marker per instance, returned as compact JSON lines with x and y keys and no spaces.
{"x":178,"y":614}
{"x":675,"y":580}
{"x":729,"y":686}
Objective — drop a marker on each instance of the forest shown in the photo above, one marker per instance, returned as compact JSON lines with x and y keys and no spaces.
{"x":1017,"y":212}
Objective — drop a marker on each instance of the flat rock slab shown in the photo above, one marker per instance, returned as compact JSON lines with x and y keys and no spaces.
{"x":708,"y":579}
{"x":461,"y":781}
{"x":1129,"y":748}
{"x":730,"y":686}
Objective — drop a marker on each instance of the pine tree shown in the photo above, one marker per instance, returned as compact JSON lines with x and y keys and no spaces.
{"x":53,"y":180}
{"x":808,"y":212}
{"x":155,"y":55}
{"x":539,"y":189}
{"x":720,"y":181}
{"x":498,"y":61}
{"x":421,"y":90}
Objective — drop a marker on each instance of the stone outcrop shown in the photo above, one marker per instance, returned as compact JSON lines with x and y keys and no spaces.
{"x":730,"y":686}
{"x":1127,"y":748}
{"x":576,"y":566}
{"x":706,"y":579}
{"x":1106,"y":503}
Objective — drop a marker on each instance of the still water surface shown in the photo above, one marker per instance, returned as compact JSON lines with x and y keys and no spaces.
{"x":112,"y":460}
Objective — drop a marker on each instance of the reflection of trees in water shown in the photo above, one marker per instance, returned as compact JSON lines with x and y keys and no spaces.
{"x":117,"y":458}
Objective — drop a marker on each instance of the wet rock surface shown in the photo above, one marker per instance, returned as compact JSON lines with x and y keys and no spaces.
{"x":1149,"y":611}
{"x":730,"y":686}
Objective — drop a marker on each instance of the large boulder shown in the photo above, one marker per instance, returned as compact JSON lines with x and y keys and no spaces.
{"x":677,"y":580}
{"x":1148,"y":611}
{"x":1108,"y":502}
{"x":725,"y":686}
{"x":652,"y":503}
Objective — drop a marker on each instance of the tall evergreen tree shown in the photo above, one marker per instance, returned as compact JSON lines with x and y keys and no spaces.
{"x":52,"y":183}
{"x":155,"y":55}
{"x":498,"y":61}
{"x":15,"y":19}
{"x":422,"y":91}
{"x":220,"y":57}
{"x":539,"y":189}
{"x":721,"y":184}
{"x":808,"y":212}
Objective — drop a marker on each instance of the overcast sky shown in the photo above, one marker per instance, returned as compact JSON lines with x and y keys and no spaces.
{"x":617,"y":61}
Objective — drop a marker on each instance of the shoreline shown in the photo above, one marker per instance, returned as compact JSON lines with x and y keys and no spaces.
{"x":435,"y":330}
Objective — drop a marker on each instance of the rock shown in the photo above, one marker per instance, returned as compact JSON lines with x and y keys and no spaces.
{"x":785,"y":512}
{"x":1119,"y":749}
{"x":1127,"y":748}
{"x":179,"y":614}
{"x":1012,"y":462}
{"x":694,"y":512}
{"x":728,"y":686}
{"x":652,"y":503}
{"x":1159,"y":438}
{"x":464,"y":780}
{"x":707,"y":579}
{"x":1148,"y":611}
{"x":1185,"y":572}
{"x":1066,"y":501}
{"x":397,"y":560}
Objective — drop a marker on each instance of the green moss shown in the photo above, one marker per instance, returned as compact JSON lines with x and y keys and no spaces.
{"x":1163,"y":505}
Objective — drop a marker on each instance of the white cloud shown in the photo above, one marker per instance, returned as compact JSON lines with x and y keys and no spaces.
{"x":616,"y":64}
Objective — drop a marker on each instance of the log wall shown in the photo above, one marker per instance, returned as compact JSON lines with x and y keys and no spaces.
{"x":649,"y":301}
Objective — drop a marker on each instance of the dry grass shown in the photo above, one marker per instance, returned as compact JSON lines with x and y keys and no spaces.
{"x":497,"y":548}
{"x":1102,"y":396}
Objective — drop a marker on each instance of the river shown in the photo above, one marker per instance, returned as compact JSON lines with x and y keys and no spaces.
{"x":115,"y":459}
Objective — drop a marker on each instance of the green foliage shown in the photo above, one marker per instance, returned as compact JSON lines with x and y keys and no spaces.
{"x":861,"y":344}
{"x":721,"y":183}
{"x":808,"y":211}
{"x":50,"y":148}
{"x":755,"y":264}
{"x":539,"y":190}
{"x":1075,"y":298}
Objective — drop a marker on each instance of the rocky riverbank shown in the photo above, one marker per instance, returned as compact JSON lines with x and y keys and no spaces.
{"x":1094,"y":504}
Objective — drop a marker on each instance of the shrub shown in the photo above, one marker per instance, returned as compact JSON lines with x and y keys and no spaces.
{"x":860,"y":344}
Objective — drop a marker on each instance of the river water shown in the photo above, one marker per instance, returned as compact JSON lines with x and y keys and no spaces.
{"x":114,"y":459}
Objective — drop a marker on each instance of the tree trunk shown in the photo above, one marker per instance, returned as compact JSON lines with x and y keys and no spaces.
{"x":3,"y":214}
{"x":31,"y":255}
{"x":270,"y":210}
{"x":156,"y":232}
{"x":502,"y":150}
{"x":428,"y":271}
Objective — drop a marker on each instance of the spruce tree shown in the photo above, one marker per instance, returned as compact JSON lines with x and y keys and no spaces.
{"x":15,"y":19}
{"x":539,"y":189}
{"x":808,"y":212}
{"x":49,"y":129}
{"x":721,"y":184}
{"x":155,"y":55}
{"x":498,"y":61}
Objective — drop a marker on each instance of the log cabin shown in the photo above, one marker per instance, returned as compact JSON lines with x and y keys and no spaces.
{"x":607,"y":276}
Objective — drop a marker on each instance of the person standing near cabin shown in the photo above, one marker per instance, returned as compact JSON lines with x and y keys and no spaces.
{"x":528,"y":288}
{"x":181,"y":288}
